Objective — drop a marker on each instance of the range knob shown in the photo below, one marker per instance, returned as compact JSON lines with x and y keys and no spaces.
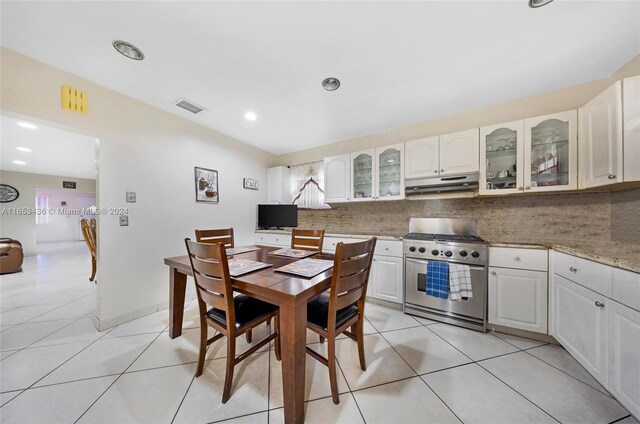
{"x":463,"y":253}
{"x":475,"y":254}
{"x":422,"y":250}
{"x":412,"y":249}
{"x":448,"y":253}
{"x":435,"y":252}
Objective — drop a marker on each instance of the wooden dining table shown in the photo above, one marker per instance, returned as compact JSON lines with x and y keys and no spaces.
{"x":291,"y":293}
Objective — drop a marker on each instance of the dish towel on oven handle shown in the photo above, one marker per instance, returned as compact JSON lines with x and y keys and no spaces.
{"x":460,"y":282}
{"x":437,"y":279}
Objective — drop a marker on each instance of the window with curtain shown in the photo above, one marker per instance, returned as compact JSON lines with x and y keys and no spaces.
{"x":307,"y":185}
{"x":42,"y":209}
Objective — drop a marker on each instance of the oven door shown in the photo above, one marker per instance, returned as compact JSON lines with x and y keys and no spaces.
{"x":416,"y":285}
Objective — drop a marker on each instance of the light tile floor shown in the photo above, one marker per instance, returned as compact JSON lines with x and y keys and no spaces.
{"x":56,"y":368}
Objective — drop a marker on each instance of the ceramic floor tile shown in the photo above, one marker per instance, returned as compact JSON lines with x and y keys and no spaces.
{"x":104,"y":357}
{"x":259,"y":418}
{"x":558,"y":357}
{"x":219,"y":348}
{"x":423,"y":350}
{"x":150,"y":396}
{"x":562,"y":396}
{"x":22,"y":369}
{"x":6,"y":397}
{"x":406,"y":401}
{"x":316,"y":379}
{"x":383,"y":363}
{"x":474,"y":344}
{"x":24,"y":335}
{"x":386,"y":319}
{"x":6,"y":327}
{"x":475,"y":396}
{"x":424,"y":321}
{"x":24,"y":313}
{"x":6,"y":353}
{"x":152,"y":323}
{"x":82,"y":330}
{"x":249,"y":392}
{"x":60,"y":403}
{"x":628,"y":420}
{"x":73,"y":310}
{"x":325,"y":411}
{"x":519,"y":342}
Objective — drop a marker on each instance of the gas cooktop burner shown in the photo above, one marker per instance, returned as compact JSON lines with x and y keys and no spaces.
{"x":445,"y":237}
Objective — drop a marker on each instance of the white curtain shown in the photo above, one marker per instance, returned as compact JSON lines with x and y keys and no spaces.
{"x":307,"y":185}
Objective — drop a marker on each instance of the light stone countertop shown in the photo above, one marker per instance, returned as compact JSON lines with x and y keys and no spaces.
{"x":355,"y":236}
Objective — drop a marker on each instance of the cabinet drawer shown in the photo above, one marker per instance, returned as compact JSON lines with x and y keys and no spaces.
{"x":626,"y":288}
{"x":592,"y":275}
{"x":506,"y":257}
{"x":330,"y":243}
{"x":389,"y":248}
{"x":273,"y":239}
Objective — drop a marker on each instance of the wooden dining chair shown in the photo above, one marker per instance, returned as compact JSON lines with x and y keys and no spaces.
{"x":89,"y":233}
{"x":307,"y":239}
{"x":230,"y":315}
{"x":331,"y":314}
{"x":223,"y":235}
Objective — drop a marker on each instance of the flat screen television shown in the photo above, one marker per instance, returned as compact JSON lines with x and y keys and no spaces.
{"x":277,"y":216}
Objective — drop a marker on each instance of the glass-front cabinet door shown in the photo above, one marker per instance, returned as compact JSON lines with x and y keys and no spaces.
{"x":390,"y":171}
{"x":550,"y":153}
{"x":501,"y":149}
{"x":363,"y":185}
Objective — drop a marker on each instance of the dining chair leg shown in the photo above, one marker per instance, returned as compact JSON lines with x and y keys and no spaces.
{"x":204,"y":333}
{"x":231,"y":359}
{"x":331,"y":359}
{"x":93,"y":269}
{"x":248,"y":335}
{"x":277,"y":341}
{"x":360,"y":336}
{"x":321,"y":338}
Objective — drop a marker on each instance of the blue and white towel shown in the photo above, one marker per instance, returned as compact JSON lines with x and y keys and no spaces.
{"x":437,"y":279}
{"x":459,"y":282}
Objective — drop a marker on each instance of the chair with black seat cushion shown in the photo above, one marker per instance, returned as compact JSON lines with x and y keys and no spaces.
{"x":230,"y":316}
{"x":222,"y":235}
{"x":331,"y":314}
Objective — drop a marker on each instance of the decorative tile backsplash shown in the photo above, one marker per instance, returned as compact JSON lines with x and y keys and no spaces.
{"x":604,"y":223}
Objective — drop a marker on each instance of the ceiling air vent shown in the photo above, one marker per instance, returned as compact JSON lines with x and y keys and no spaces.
{"x":190,"y":106}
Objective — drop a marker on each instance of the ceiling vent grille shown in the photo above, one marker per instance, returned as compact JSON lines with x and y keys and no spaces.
{"x":190,"y":106}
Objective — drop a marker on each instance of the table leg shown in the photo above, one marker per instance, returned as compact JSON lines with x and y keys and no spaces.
{"x":293,"y":332}
{"x":177,"y":289}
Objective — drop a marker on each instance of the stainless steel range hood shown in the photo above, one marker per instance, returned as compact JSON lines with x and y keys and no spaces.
{"x":461,"y":182}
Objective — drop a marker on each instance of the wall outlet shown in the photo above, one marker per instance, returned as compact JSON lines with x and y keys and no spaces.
{"x":131,"y":197}
{"x":124,"y":220}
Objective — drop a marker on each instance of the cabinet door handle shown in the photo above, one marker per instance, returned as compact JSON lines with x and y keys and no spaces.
{"x":527,"y":188}
{"x":442,"y":170}
{"x":612,"y":176}
{"x":521,"y":188}
{"x":493,"y":273}
{"x":599,"y":304}
{"x":572,"y":269}
{"x":517,"y":258}
{"x":435,"y":171}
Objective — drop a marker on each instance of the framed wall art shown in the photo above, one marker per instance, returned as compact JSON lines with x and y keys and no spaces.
{"x":206,"y":181}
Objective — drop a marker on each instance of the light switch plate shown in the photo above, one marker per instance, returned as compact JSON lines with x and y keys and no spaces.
{"x":124,"y":220}
{"x":131,"y":197}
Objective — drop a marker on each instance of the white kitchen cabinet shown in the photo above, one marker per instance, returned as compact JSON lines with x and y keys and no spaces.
{"x":518,"y":299}
{"x":631,"y":139}
{"x":378,"y":174}
{"x":501,"y":157}
{"x":579,"y":321}
{"x":600,"y":139}
{"x":278,"y":185}
{"x":448,"y":154}
{"x":337,"y":178}
{"x":624,"y":356}
{"x":386,"y":278}
{"x":272,"y":239}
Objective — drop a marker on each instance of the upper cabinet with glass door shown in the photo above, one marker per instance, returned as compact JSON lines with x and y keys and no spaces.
{"x":501,"y":149}
{"x":550,"y":154}
{"x":363,"y":185}
{"x":390,"y":172}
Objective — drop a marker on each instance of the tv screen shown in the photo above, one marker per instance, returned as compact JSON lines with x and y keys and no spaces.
{"x":270,"y":216}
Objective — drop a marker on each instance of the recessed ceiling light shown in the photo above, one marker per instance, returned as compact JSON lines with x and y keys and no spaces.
{"x":331,"y":84}
{"x":128,"y":49}
{"x":250,"y":116}
{"x":24,"y":149}
{"x":27,"y":125}
{"x":19,"y":162}
{"x":538,"y":3}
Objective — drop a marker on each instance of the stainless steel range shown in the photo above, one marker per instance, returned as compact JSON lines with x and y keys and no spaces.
{"x":448,"y":240}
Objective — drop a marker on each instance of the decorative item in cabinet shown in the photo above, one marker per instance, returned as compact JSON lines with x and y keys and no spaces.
{"x":362,"y":175}
{"x":501,"y":146}
{"x":389,"y":168}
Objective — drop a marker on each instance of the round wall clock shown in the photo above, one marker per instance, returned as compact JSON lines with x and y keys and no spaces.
{"x":8,"y":193}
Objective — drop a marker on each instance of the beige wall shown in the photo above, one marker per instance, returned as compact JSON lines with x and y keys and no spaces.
{"x":23,"y":227}
{"x":541,"y":104}
{"x":153,"y":153}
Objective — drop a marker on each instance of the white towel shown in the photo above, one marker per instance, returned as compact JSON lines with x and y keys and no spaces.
{"x":459,"y":282}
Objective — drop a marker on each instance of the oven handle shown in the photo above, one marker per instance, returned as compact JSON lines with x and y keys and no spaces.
{"x":424,"y":262}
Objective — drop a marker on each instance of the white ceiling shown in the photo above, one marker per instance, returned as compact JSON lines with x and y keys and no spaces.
{"x":53,"y":151}
{"x":399,"y":62}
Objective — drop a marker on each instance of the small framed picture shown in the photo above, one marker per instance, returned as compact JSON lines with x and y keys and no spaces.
{"x":250,"y":183}
{"x":206,"y":181}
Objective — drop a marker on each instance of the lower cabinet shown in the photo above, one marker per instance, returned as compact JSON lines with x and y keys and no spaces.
{"x":386,"y":279}
{"x":272,"y":239}
{"x":580,"y":323}
{"x":624,"y":356}
{"x":518,"y":299}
